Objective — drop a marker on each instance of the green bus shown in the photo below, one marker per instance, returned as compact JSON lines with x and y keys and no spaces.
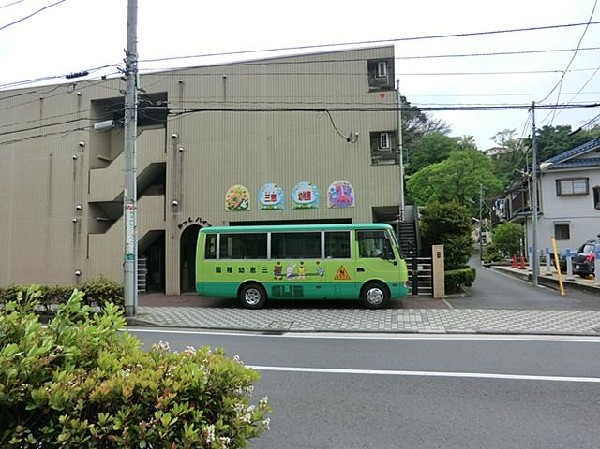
{"x":301,"y":261}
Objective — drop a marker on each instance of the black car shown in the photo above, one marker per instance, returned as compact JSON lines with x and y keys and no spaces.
{"x":583,"y":260}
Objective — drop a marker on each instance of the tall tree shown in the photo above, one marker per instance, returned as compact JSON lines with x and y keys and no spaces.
{"x":458,"y":178}
{"x":416,"y":124}
{"x":429,"y":149}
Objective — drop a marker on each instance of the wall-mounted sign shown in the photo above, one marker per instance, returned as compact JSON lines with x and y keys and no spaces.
{"x":305,"y":195}
{"x":270,"y":197}
{"x":237,"y":198}
{"x":340,"y":195}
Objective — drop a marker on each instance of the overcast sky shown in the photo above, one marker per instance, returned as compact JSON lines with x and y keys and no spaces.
{"x":68,"y":36}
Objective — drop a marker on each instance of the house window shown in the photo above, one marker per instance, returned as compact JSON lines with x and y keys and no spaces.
{"x":382,"y":71}
{"x":384,"y":141}
{"x":562,"y":231}
{"x":573,"y":186}
{"x":596,"y":193}
{"x":381,"y":74}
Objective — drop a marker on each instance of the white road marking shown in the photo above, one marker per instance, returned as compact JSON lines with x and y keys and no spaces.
{"x":430,"y":374}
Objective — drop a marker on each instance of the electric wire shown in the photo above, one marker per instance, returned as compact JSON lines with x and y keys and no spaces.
{"x":32,"y":14}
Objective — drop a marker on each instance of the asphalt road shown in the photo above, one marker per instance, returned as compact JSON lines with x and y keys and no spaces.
{"x":341,"y":391}
{"x":496,"y":291}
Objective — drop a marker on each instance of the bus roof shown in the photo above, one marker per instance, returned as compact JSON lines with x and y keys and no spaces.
{"x":294,"y":227}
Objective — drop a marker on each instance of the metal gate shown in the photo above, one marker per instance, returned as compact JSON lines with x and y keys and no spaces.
{"x":420,"y":276}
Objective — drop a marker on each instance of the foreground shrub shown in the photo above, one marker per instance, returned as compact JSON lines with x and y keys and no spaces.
{"x":80,"y":382}
{"x":455,"y":280}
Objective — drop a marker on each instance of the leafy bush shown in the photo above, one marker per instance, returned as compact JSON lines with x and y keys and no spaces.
{"x":455,"y":280}
{"x":80,"y":382}
{"x":447,"y":224}
{"x":100,"y":291}
{"x":97,"y":292}
{"x":492,"y":254}
{"x":507,"y":238}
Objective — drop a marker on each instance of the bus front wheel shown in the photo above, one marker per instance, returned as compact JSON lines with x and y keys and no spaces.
{"x":253,"y":296}
{"x":375,"y":295}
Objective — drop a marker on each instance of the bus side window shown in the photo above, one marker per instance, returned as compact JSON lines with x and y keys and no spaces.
{"x":210,"y":246}
{"x":372,"y":244}
{"x":337,"y":244}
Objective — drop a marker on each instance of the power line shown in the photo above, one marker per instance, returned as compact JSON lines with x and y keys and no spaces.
{"x":572,"y":57}
{"x":371,"y":42}
{"x":32,"y":14}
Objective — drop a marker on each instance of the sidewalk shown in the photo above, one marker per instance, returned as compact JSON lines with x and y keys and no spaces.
{"x":416,"y":315}
{"x":550,"y":278}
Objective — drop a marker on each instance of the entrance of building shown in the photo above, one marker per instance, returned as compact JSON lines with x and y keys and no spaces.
{"x":187,"y":263}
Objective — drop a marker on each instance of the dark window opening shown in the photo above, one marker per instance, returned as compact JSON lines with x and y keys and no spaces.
{"x":337,"y":244}
{"x":381,"y":74}
{"x":296,"y":245}
{"x":562,"y":231}
{"x":596,"y":193}
{"x":243,"y":246}
{"x":383,"y":144}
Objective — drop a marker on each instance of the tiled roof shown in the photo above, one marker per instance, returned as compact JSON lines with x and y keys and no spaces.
{"x":565,"y":159}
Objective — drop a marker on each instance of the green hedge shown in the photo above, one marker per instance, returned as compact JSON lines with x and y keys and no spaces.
{"x":455,"y":280}
{"x":80,"y":382}
{"x":97,"y":293}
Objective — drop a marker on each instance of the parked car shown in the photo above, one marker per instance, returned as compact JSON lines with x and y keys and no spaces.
{"x":583,"y":260}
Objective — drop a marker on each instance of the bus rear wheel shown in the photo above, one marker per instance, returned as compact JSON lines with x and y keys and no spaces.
{"x":252,"y":296}
{"x":375,"y":295}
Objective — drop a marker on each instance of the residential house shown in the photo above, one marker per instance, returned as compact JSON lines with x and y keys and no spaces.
{"x":568,"y":200}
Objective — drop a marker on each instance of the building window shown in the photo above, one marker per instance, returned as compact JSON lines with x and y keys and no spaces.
{"x":596,"y":192}
{"x":382,"y":148}
{"x":562,"y":231}
{"x":573,"y":186}
{"x":384,"y":141}
{"x":381,"y":74}
{"x":382,"y":71}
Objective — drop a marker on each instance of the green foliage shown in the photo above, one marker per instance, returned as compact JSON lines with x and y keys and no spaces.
{"x":101,"y":291}
{"x":458,"y":178}
{"x":491,"y":253}
{"x":81,"y":382}
{"x":507,"y":238}
{"x":447,"y":224}
{"x":97,"y":292}
{"x":455,"y":280}
{"x":429,"y":149}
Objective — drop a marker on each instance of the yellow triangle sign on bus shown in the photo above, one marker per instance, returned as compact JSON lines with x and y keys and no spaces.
{"x":341,"y":274}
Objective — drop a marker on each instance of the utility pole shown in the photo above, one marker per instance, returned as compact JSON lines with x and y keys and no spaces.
{"x":534,"y":202}
{"x":480,"y":222}
{"x":130,"y":194}
{"x":400,"y":159}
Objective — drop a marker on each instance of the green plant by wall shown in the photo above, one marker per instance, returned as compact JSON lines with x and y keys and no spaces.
{"x":97,"y":292}
{"x":80,"y":382}
{"x":455,"y":280}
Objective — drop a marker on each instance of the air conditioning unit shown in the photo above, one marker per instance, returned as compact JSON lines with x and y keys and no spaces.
{"x":385,"y":144}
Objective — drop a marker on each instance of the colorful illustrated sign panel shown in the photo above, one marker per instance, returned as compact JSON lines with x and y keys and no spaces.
{"x":305,"y":195}
{"x":340,"y":195}
{"x":270,"y":197}
{"x":237,"y":198}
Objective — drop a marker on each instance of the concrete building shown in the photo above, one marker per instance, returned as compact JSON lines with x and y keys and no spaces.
{"x":307,"y":138}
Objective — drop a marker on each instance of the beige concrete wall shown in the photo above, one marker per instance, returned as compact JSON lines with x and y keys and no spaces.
{"x":277,"y":120}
